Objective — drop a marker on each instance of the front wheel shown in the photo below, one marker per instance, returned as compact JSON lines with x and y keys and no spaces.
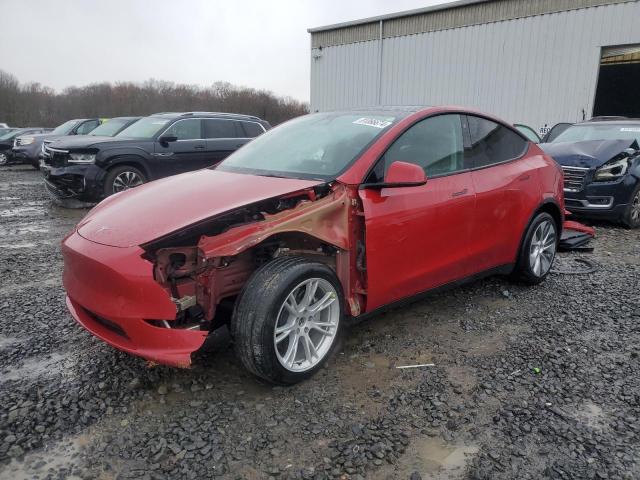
{"x":123,"y":178}
{"x":631,"y":218}
{"x":287,"y":319}
{"x":538,"y":250}
{"x":3,"y":159}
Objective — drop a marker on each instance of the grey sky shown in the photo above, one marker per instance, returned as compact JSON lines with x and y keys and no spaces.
{"x":256,"y":43}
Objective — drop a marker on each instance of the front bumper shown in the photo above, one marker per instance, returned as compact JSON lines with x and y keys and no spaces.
{"x":80,"y":182}
{"x":607,"y":200}
{"x":111,"y":293}
{"x":26,"y":154}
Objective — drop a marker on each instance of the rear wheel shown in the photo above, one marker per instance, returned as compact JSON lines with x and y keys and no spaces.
{"x":538,"y":250}
{"x":631,"y":218}
{"x":287,"y":319}
{"x":123,"y":178}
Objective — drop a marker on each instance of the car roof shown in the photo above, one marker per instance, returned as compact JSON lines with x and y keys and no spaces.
{"x":628,"y":121}
{"x":173,"y":115}
{"x":125,"y":118}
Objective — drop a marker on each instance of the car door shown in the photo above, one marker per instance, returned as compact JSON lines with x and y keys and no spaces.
{"x":188,"y":152}
{"x":506,"y":187}
{"x":224,"y":136}
{"x":417,"y":237}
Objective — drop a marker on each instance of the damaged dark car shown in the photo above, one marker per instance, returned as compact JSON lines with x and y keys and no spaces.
{"x":601,"y":164}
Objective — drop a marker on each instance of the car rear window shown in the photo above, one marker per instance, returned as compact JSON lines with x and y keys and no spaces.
{"x":492,"y":143}
{"x":252,"y":129}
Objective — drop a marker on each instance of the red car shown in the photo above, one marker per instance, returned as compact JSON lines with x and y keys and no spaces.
{"x":326,"y":218}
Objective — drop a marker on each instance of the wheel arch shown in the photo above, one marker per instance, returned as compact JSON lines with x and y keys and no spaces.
{"x":130,"y":160}
{"x":549,"y":206}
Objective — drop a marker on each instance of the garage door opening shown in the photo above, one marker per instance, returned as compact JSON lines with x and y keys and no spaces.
{"x":618,"y":91}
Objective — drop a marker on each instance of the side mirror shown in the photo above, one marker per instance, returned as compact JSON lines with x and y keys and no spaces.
{"x":166,"y":139}
{"x":401,"y":174}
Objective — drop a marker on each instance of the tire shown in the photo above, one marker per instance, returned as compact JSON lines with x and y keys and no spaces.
{"x":3,"y":159}
{"x":631,"y":217}
{"x":116,"y":179}
{"x":535,"y":261}
{"x":260,"y":309}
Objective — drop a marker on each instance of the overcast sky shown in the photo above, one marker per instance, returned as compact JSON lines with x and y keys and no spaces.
{"x":256,"y":43}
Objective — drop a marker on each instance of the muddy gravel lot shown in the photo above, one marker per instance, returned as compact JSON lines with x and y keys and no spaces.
{"x":527,"y":382}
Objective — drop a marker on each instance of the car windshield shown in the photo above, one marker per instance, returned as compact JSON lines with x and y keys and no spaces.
{"x":318,"y":146}
{"x":8,"y":135}
{"x":65,"y":128}
{"x":147,"y":127}
{"x":110,"y":127}
{"x":585,"y":132}
{"x":4,"y":131}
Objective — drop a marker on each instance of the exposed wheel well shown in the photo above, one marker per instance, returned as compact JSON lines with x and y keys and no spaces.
{"x":553,"y":210}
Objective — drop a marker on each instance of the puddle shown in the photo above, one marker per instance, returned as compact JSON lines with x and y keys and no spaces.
{"x":58,"y":458}
{"x":8,"y":199}
{"x":34,"y":367}
{"x":592,"y":415}
{"x":31,"y":211}
{"x":7,"y":341}
{"x":18,"y":245}
{"x":433,"y":459}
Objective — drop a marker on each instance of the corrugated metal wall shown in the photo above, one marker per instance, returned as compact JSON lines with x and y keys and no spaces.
{"x":535,"y":70}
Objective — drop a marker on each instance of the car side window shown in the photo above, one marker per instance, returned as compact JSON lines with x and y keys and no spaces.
{"x":86,"y":127}
{"x":436,"y":144}
{"x":189,"y":129}
{"x":251,"y":129}
{"x":491,"y":143}
{"x":219,"y":128}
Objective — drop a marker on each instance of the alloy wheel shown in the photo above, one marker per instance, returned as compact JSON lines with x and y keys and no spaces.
{"x":307,"y":325}
{"x":125,"y":181}
{"x":543,"y":248}
{"x":3,"y":159}
{"x":635,"y":209}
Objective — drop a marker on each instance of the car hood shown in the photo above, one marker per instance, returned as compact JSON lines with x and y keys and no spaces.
{"x":148,"y":212}
{"x":590,"y":154}
{"x":79,"y":141}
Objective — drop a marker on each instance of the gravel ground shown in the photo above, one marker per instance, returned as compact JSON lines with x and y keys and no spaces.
{"x":528,"y":382}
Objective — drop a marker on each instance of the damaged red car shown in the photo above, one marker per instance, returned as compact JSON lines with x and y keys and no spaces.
{"x":327,"y":218}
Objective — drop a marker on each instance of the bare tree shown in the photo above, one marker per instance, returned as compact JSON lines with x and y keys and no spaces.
{"x":35,"y":105}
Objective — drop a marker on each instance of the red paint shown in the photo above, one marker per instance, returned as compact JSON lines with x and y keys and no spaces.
{"x":578,"y":227}
{"x":117,"y":284}
{"x":403,"y":172}
{"x":415,"y":238}
{"x":184,"y":200}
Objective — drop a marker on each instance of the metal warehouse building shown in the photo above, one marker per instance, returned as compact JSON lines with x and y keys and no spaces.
{"x":536,"y":62}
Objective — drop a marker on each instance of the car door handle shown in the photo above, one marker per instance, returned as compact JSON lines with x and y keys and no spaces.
{"x":460,"y":193}
{"x":199,"y":147}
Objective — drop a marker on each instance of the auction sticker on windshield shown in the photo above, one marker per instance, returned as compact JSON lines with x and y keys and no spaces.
{"x":627,"y":129}
{"x":374,"y":122}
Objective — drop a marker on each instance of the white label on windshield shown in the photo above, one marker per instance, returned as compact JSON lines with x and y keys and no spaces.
{"x":373,"y":122}
{"x":627,"y":129}
{"x":159,"y":122}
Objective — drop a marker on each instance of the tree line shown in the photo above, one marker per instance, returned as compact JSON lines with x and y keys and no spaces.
{"x":35,"y":105}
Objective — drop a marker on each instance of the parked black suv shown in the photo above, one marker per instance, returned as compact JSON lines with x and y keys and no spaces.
{"x":7,"y":140}
{"x":88,"y":169}
{"x":29,"y":149}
